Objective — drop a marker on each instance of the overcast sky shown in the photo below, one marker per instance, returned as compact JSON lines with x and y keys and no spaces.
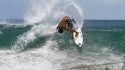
{"x":93,"y":9}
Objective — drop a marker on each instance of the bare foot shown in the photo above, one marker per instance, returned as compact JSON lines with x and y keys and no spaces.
{"x":76,"y":34}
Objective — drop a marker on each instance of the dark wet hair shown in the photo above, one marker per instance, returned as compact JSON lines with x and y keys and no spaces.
{"x":60,"y":30}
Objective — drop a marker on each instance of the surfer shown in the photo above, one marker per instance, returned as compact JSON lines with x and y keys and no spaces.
{"x":66,"y":24}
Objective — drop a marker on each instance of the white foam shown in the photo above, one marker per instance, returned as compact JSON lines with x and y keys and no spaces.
{"x":50,"y":57}
{"x":70,"y":57}
{"x":35,"y":59}
{"x":23,"y":61}
{"x":36,"y":32}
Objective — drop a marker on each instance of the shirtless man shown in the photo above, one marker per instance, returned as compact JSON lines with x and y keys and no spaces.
{"x":66,"y":24}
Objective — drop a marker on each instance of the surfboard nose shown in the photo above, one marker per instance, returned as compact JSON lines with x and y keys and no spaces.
{"x":80,"y":44}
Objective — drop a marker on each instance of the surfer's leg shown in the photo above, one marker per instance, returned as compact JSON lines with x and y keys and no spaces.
{"x":72,"y":30}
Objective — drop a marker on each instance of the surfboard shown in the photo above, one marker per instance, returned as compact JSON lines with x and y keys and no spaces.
{"x":79,"y":39}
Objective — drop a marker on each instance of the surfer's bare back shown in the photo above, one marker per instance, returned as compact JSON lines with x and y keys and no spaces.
{"x":65,"y":24}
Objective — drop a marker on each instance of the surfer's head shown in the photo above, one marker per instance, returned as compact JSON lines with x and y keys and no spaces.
{"x":60,"y":30}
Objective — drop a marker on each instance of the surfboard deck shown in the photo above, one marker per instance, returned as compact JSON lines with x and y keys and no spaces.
{"x":79,"y":39}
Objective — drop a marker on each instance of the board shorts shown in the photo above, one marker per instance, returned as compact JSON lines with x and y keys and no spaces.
{"x":71,"y":23}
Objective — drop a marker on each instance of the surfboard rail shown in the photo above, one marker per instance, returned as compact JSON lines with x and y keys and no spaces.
{"x":79,"y":39}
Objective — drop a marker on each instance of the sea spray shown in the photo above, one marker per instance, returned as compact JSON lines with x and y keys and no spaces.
{"x":35,"y":32}
{"x":53,"y":10}
{"x":46,"y":15}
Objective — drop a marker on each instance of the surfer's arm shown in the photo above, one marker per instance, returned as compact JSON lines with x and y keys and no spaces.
{"x":72,"y":30}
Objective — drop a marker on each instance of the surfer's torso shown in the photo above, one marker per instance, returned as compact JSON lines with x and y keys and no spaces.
{"x":64,"y":23}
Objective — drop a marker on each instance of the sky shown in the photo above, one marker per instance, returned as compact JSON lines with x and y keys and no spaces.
{"x":92,"y":9}
{"x":104,"y":9}
{"x":12,"y":9}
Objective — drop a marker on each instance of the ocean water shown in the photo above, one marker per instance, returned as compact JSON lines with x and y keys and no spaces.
{"x":36,"y":45}
{"x":104,"y":42}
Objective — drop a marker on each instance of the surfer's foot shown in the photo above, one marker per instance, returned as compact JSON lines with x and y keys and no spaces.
{"x":76,"y":34}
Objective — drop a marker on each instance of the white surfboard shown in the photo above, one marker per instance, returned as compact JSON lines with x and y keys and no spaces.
{"x":79,"y":39}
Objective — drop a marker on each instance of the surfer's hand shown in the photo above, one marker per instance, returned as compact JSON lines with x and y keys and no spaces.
{"x":76,"y":34}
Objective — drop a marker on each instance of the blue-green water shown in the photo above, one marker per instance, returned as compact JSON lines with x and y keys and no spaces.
{"x":104,"y":41}
{"x":106,"y":33}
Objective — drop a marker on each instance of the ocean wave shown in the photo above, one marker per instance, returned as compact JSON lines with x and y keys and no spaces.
{"x":45,"y":15}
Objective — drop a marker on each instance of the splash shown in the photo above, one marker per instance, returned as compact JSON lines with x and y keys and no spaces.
{"x":45,"y":15}
{"x":53,"y":11}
